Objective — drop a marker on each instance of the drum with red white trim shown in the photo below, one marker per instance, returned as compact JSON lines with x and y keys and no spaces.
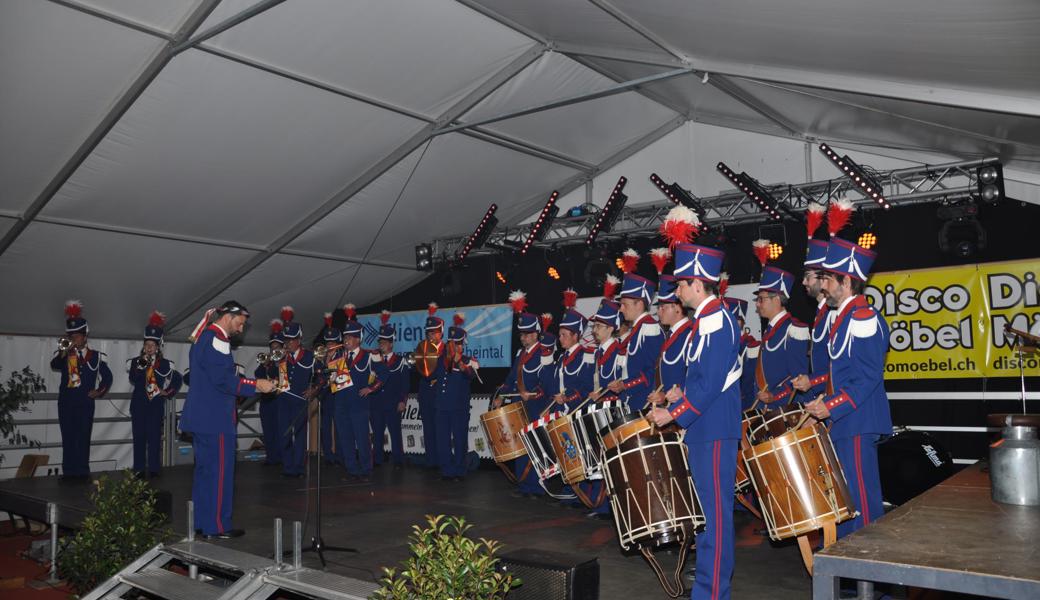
{"x":539,"y":447}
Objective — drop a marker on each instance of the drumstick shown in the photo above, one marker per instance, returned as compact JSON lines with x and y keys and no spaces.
{"x":659,"y":388}
{"x":806,"y":416}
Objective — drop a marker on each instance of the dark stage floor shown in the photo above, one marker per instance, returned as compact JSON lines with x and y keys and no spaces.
{"x":377,"y":518}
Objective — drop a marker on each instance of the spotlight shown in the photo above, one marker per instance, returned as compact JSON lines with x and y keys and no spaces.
{"x":424,"y":257}
{"x":610,"y":212}
{"x":678,"y":195}
{"x":480,"y":234}
{"x":578,"y":211}
{"x":542,"y":224}
{"x":868,"y":240}
{"x":961,"y":234}
{"x":619,"y":263}
{"x":775,"y":250}
{"x":500,"y":276}
{"x":553,"y":273}
{"x":451,"y":285}
{"x":990,"y":182}
{"x":597,"y":267}
{"x":866,"y":184}
{"x":752,"y":189}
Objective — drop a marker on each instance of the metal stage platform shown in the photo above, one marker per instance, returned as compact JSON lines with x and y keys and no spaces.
{"x":953,"y":537}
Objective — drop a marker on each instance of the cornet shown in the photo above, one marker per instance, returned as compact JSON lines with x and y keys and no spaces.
{"x":322,"y":351}
{"x":144,"y":360}
{"x":64,"y":344}
{"x":269,"y":357}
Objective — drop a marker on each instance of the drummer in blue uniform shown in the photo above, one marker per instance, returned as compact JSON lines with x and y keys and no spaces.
{"x":748,"y":352}
{"x":642,"y":343}
{"x":453,"y":403}
{"x":297,"y":369}
{"x":352,"y":379}
{"x":524,"y":382}
{"x":331,"y":337}
{"x":855,"y":402}
{"x":267,"y":369}
{"x":388,"y":402}
{"x":154,"y":381}
{"x":707,"y":406}
{"x":428,"y":386}
{"x":209,"y":415}
{"x":85,"y":377}
{"x":785,"y":343}
{"x":670,"y":370}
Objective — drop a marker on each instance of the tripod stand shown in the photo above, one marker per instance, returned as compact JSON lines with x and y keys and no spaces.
{"x":318,"y":544}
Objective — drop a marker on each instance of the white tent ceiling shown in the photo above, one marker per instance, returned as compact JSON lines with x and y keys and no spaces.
{"x":167,"y":154}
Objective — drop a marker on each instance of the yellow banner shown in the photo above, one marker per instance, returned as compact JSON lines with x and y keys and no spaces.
{"x":949,"y":322}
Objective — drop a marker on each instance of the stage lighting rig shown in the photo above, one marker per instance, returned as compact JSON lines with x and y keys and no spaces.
{"x":990,"y":183}
{"x":543,"y":223}
{"x":752,"y":189}
{"x":674,"y":192}
{"x":610,"y":212}
{"x":424,"y":257}
{"x":480,"y":234}
{"x":866,"y":183}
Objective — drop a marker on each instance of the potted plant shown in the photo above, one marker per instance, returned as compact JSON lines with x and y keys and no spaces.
{"x":447,"y":565}
{"x":16,"y":394}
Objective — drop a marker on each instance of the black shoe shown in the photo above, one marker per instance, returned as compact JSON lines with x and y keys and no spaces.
{"x":225,"y":535}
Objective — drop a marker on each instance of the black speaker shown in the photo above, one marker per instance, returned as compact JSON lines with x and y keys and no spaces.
{"x":548,"y":575}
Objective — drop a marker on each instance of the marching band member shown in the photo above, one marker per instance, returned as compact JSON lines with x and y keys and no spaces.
{"x":572,"y":375}
{"x":331,"y":337}
{"x":154,"y":381}
{"x":609,"y":354}
{"x":784,"y":347}
{"x":671,"y":366}
{"x":428,"y":387}
{"x":85,"y":377}
{"x":209,"y":415}
{"x":269,"y":402}
{"x":352,"y":381}
{"x":855,"y":402}
{"x":525,"y":382}
{"x":297,"y":369}
{"x":388,"y":402}
{"x":708,"y":407}
{"x":747,"y":353}
{"x":453,"y":403}
{"x":642,"y":343}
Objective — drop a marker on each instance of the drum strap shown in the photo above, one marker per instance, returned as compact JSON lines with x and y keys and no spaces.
{"x":589,"y":502}
{"x":509,"y":474}
{"x":674,"y":588}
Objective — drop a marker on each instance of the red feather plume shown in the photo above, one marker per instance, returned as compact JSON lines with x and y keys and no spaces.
{"x":629,"y":260}
{"x":546,"y":320}
{"x":287,"y":314}
{"x":814,"y":218}
{"x":723,"y":284}
{"x":660,"y":258}
{"x":328,"y":319}
{"x":276,"y":326}
{"x":350,"y":311}
{"x":458,"y":319}
{"x":73,"y":309}
{"x":761,"y":250}
{"x":432,"y":308}
{"x":518,"y":300}
{"x":838,"y":215}
{"x":384,"y":317}
{"x":610,"y":287}
{"x":570,"y":298}
{"x":680,"y":226}
{"x":156,"y":319}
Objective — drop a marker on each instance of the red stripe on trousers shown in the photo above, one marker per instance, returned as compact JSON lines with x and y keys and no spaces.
{"x":862,"y":488}
{"x":715,"y":456}
{"x":220,"y":480}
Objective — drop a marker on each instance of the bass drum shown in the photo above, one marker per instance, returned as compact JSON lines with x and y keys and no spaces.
{"x":911,"y":462}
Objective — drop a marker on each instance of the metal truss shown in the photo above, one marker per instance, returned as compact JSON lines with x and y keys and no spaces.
{"x":948,"y":182}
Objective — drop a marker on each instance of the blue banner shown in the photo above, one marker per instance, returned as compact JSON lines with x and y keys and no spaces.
{"x":489,"y":331}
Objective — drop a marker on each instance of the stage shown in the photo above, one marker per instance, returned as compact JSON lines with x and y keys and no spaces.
{"x":376,"y":518}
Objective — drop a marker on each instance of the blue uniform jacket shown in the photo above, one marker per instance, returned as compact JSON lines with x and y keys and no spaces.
{"x":360,"y":370}
{"x":642,"y":348}
{"x":428,"y":385}
{"x":857,"y":346}
{"x":673,"y":355}
{"x":392,"y":371}
{"x":819,"y":361}
{"x":572,"y":376}
{"x":299,"y":366}
{"x":454,"y":390}
{"x":748,"y":357}
{"x":210,"y":406}
{"x":710,"y":407}
{"x":167,"y":379}
{"x":528,"y":366}
{"x":782,"y":355}
{"x":610,"y":365}
{"x":91,"y":367}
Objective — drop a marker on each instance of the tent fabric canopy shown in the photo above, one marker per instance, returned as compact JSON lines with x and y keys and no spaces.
{"x":168,"y":154}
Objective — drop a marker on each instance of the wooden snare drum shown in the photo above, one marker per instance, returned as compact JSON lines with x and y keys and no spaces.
{"x":773,"y":423}
{"x":799,"y":482}
{"x":502,"y":427}
{"x":535,"y":437}
{"x":565,"y":445}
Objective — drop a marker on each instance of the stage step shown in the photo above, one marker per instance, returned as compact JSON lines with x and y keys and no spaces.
{"x":218,"y":557}
{"x":319,"y":584}
{"x":171,"y":586}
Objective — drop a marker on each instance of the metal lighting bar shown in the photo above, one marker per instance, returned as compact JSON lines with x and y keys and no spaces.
{"x":864,"y":182}
{"x":752,"y":189}
{"x":606,"y":218}
{"x":904,"y":187}
{"x":480,"y":234}
{"x":544,"y":222}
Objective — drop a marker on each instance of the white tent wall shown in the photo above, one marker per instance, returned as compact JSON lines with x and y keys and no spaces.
{"x":111,"y":413}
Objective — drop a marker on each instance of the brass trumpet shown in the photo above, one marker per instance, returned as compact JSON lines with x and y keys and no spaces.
{"x":143,"y":360}
{"x":269,"y":357}
{"x":64,"y":344}
{"x":321,"y":351}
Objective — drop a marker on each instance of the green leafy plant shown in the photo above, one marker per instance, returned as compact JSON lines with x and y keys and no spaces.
{"x":447,"y":565}
{"x":124,"y":524}
{"x":16,"y":394}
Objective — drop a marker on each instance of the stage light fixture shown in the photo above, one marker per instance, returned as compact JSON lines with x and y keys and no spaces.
{"x":678,"y":195}
{"x":424,"y":257}
{"x":578,"y":211}
{"x":480,"y":234}
{"x":752,"y":189}
{"x":610,"y":212}
{"x":858,"y":175}
{"x":867,"y":240}
{"x":990,"y":183}
{"x":543,"y":223}
{"x":961,"y":234}
{"x":775,"y":250}
{"x":501,"y":277}
{"x":553,"y":273}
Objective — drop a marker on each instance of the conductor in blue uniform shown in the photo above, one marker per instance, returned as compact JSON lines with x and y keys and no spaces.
{"x":209,"y":415}
{"x":708,"y":408}
{"x":856,"y":402}
{"x":85,"y":377}
{"x":154,"y":381}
